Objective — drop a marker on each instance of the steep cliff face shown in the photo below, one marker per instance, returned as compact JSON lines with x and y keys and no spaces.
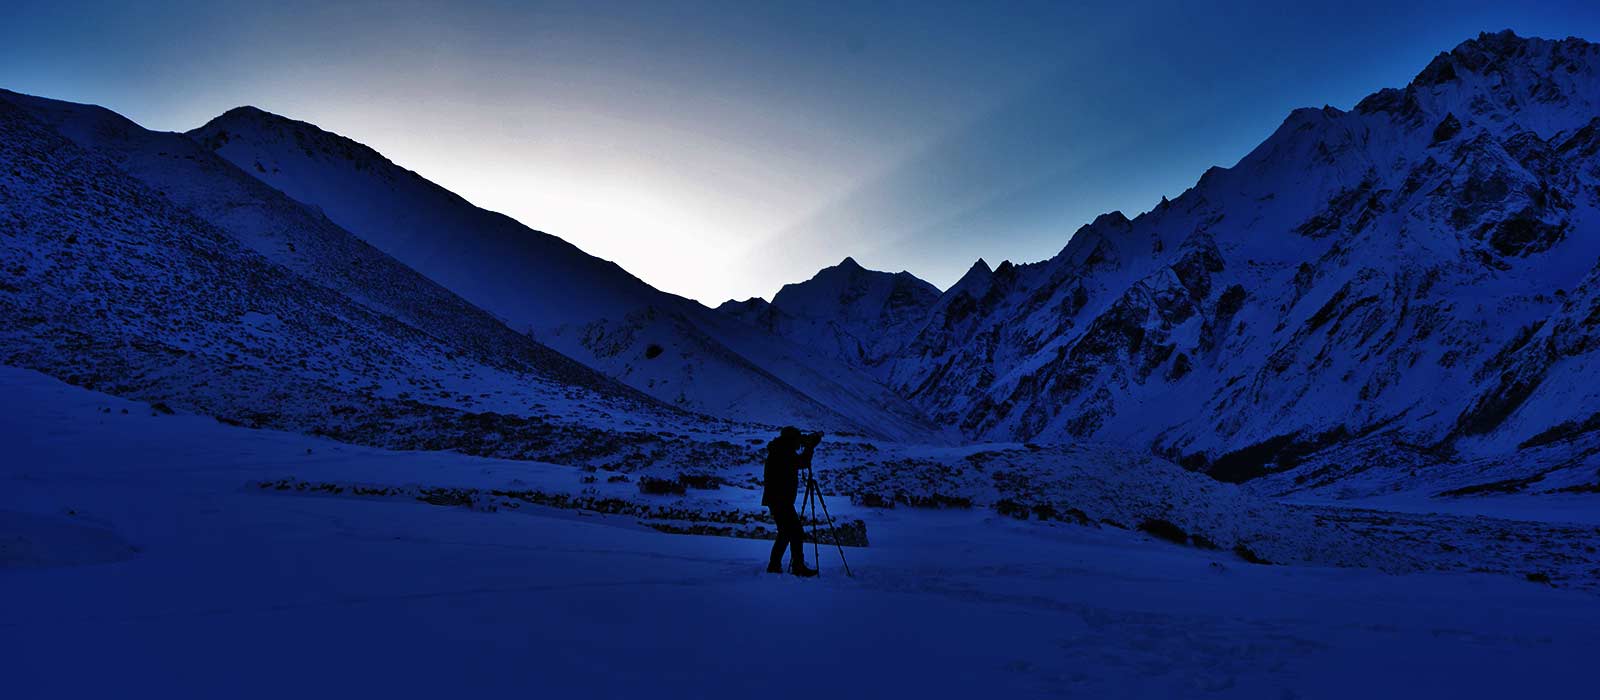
{"x":1420,"y":269}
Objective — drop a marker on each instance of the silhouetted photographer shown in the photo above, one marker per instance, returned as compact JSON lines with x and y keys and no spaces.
{"x":788,"y":455}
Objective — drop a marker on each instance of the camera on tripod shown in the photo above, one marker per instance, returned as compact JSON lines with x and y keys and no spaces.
{"x":814,"y":499}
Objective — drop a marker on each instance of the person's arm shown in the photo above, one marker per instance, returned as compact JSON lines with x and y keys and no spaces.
{"x":797,"y":461}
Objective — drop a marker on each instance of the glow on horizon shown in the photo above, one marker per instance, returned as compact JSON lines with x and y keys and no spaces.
{"x":720,"y":150}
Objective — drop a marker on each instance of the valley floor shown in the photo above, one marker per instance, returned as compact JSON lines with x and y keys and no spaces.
{"x":136,"y":561}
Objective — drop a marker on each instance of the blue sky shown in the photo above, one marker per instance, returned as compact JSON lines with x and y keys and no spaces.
{"x":721,"y":149}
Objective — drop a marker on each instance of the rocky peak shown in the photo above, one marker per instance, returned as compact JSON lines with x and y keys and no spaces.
{"x":974,"y":281}
{"x":1485,"y":54}
{"x":1503,"y":82}
{"x":979,"y":269}
{"x":1113,"y":219}
{"x":250,"y":124}
{"x":751,"y":305}
{"x":848,"y":284}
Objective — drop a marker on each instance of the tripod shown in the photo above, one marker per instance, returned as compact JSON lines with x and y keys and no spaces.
{"x":812,"y":500}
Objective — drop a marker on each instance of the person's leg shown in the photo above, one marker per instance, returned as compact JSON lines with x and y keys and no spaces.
{"x":778,"y":546}
{"x":797,"y":541}
{"x":780,"y":518}
{"x":791,"y":534}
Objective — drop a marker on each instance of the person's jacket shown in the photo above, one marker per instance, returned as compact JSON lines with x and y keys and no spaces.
{"x":781,"y":478}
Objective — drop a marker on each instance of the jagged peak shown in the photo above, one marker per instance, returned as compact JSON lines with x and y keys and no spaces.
{"x":753,"y":303}
{"x":1491,"y":52}
{"x":854,"y":269}
{"x":1502,"y":52}
{"x":1111,"y":218}
{"x":1503,"y":43}
{"x":976,"y":276}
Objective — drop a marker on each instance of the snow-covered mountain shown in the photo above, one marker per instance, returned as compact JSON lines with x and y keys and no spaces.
{"x":590,"y":309}
{"x":1418,"y":273}
{"x":858,"y":315}
{"x":1411,"y":284}
{"x":140,"y":264}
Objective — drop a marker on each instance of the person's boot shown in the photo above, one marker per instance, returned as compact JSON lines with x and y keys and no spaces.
{"x":775,"y":566}
{"x":798,"y":567}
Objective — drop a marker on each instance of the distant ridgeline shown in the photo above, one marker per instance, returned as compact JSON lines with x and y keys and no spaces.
{"x":1407,"y":283}
{"x":1366,"y":294}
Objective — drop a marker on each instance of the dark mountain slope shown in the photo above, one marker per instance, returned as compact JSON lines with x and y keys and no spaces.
{"x":590,"y":309}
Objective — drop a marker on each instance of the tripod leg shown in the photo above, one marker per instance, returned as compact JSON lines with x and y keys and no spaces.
{"x":835,"y":530}
{"x":816,"y":554}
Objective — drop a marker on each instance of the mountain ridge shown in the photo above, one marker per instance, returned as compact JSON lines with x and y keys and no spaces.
{"x":1314,"y":294}
{"x":118,"y":281}
{"x":587,"y":308}
{"x":1414,"y":279}
{"x":848,"y":311}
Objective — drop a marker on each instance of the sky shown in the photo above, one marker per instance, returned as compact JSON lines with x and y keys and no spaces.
{"x":722,"y":149}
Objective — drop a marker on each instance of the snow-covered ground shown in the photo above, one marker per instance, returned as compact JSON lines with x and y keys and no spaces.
{"x":137,"y":560}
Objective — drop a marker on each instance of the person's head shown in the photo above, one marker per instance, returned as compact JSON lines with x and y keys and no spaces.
{"x":789,"y":435}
